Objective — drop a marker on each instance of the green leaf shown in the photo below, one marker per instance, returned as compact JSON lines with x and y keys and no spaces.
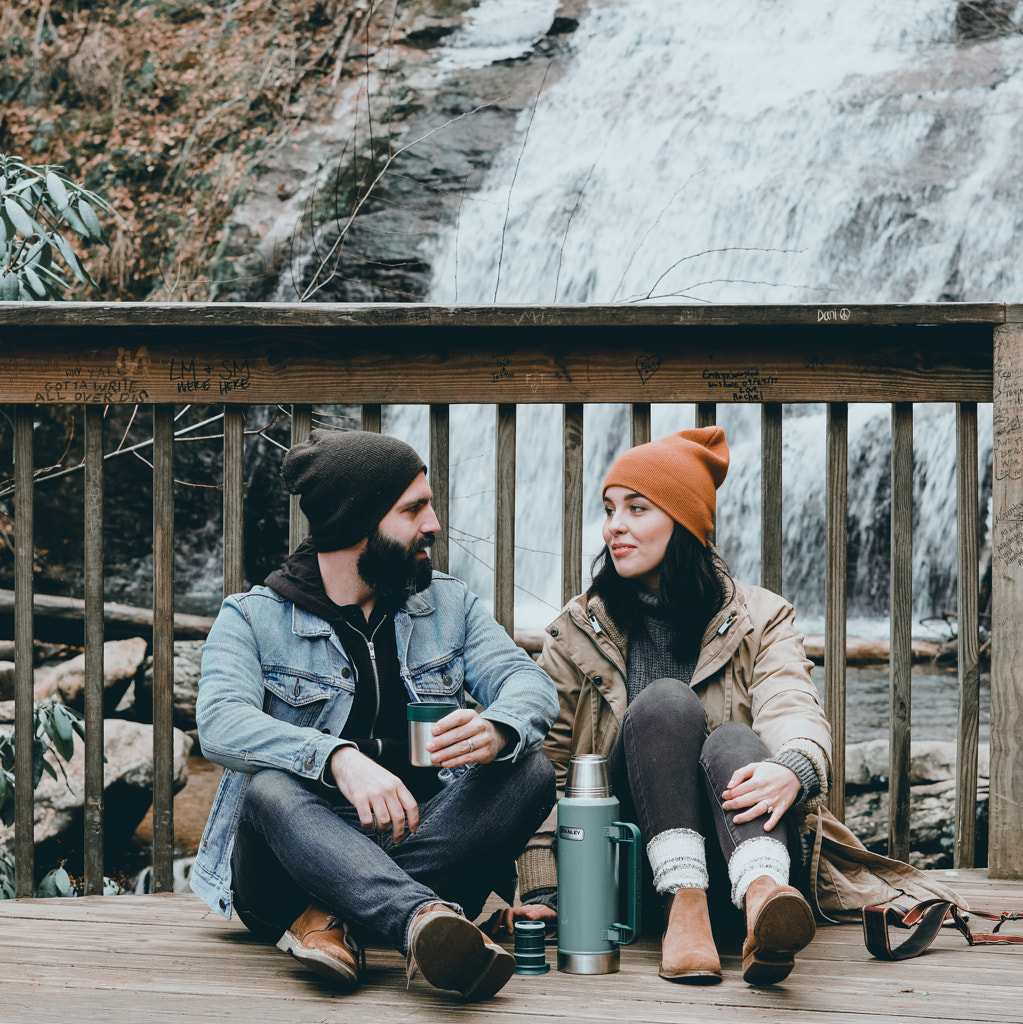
{"x":56,"y":883}
{"x":62,"y":723}
{"x":64,"y":247}
{"x":57,"y":191}
{"x":19,"y":218}
{"x":3,"y":233}
{"x":88,"y":215}
{"x":9,"y":288}
{"x":32,"y":280}
{"x":75,"y":222}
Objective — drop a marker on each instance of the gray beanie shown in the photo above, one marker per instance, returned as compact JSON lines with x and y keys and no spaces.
{"x":348,"y":480}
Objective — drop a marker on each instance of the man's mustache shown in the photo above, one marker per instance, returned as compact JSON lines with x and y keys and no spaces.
{"x":422,"y":544}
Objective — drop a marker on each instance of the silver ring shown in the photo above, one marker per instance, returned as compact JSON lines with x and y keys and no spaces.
{"x":770,"y":809}
{"x":471,"y":747}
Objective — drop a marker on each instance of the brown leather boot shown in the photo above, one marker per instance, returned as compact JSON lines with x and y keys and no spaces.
{"x":323,"y":943}
{"x":688,"y":953}
{"x":452,"y":953}
{"x":779,"y":923}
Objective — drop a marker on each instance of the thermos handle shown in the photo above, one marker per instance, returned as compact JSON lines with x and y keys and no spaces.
{"x":626,"y":934}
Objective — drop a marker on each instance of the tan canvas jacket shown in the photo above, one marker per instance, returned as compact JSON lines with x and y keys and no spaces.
{"x":752,"y":668}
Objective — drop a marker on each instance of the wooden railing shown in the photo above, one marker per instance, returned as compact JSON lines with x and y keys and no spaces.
{"x":303,"y":355}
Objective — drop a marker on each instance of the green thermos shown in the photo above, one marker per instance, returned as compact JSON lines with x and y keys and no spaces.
{"x":592,"y":871}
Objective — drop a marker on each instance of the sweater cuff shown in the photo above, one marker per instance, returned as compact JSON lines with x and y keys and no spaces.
{"x":804,"y":770}
{"x":538,"y":870}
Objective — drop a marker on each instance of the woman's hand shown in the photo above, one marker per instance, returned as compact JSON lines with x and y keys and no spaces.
{"x":465,"y":737}
{"x":504,"y":920}
{"x":762,"y":787}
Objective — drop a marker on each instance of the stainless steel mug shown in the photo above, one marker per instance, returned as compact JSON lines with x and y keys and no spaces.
{"x":592,"y":871}
{"x":421,"y":717}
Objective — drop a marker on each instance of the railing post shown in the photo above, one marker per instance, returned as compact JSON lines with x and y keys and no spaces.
{"x":572,"y":502}
{"x":24,"y":675}
{"x":94,"y":650}
{"x":504,"y":518}
{"x":440,"y":481}
{"x":837,"y":527}
{"x":234,"y":503}
{"x":770,"y":496}
{"x":964,"y":850}
{"x":163,"y":648}
{"x":901,"y":646}
{"x":1005,"y":851}
{"x":301,"y":428}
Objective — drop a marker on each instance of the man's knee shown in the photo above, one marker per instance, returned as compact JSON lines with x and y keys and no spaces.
{"x":534,"y":773}
{"x":269,"y":792}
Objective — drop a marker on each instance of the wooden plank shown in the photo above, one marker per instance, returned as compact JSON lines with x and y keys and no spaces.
{"x":639,"y":423}
{"x":1005,"y":851}
{"x":301,"y":428}
{"x":94,"y":637}
{"x":901,"y":610}
{"x":572,"y":502}
{"x":234,"y":502}
{"x":440,"y":481}
{"x":163,"y":648}
{"x":550,"y":365}
{"x":372,"y":417}
{"x":771,"y":497}
{"x":24,"y":497}
{"x":347,"y":316}
{"x":504,"y":519}
{"x":836,"y":529}
{"x":706,"y":414}
{"x":968,"y":724}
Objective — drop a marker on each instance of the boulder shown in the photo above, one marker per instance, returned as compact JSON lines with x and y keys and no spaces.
{"x":932,"y":800}
{"x":121,"y":661}
{"x":187,"y":669}
{"x":128,"y":791}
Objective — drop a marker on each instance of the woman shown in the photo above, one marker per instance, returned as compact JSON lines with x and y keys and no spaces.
{"x":697,"y":689}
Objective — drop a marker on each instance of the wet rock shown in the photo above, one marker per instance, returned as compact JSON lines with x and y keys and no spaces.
{"x":127,"y":788}
{"x":932,"y":800}
{"x":121,"y":661}
{"x":187,"y":669}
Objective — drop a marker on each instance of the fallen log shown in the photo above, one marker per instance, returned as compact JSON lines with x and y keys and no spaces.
{"x":61,"y":619}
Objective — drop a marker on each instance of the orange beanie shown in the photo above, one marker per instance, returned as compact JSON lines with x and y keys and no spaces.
{"x":679,"y":473}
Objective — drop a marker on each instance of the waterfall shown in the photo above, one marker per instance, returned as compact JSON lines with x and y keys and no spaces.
{"x":722,"y":151}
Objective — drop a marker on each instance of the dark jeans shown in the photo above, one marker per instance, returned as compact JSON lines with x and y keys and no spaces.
{"x":298,"y":842}
{"x":668,"y":772}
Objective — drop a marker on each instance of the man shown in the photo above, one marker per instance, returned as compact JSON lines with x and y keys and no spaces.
{"x":322,"y":835}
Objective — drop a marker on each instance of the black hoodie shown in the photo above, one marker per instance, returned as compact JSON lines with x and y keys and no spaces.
{"x":376,"y":723}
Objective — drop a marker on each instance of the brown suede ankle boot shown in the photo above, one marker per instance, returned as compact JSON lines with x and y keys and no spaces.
{"x":688,"y":953}
{"x":779,"y":923}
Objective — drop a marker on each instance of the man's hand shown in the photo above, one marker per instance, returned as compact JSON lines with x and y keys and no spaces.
{"x":504,"y":920}
{"x":465,"y":737}
{"x":760,"y":788}
{"x":381,"y":798}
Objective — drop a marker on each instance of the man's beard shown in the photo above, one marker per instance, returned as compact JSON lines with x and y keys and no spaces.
{"x":393,"y":570}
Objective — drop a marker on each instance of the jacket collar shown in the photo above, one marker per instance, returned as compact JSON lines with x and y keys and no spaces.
{"x":306,"y":624}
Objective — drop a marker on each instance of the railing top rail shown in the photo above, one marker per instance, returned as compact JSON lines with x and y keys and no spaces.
{"x":335,"y":315}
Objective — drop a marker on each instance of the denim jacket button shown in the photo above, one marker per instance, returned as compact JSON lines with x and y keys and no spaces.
{"x":446,"y":680}
{"x":346,"y":673}
{"x":310,"y":763}
{"x":296,"y":688}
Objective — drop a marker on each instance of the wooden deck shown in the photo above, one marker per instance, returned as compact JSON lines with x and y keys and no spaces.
{"x":167,"y":959}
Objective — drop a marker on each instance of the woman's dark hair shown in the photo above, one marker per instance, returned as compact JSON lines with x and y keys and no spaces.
{"x":694,"y":586}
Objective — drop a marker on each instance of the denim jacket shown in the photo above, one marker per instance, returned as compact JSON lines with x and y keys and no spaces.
{"x":277,"y":687}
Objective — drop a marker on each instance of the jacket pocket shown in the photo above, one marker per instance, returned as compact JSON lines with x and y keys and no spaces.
{"x":440,"y":682}
{"x":297,"y":697}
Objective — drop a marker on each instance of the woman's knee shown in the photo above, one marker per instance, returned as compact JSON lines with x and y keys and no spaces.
{"x":732,"y":744}
{"x":667,"y":703}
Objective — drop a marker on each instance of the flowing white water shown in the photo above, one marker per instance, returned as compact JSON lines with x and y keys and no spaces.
{"x":727,"y":151}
